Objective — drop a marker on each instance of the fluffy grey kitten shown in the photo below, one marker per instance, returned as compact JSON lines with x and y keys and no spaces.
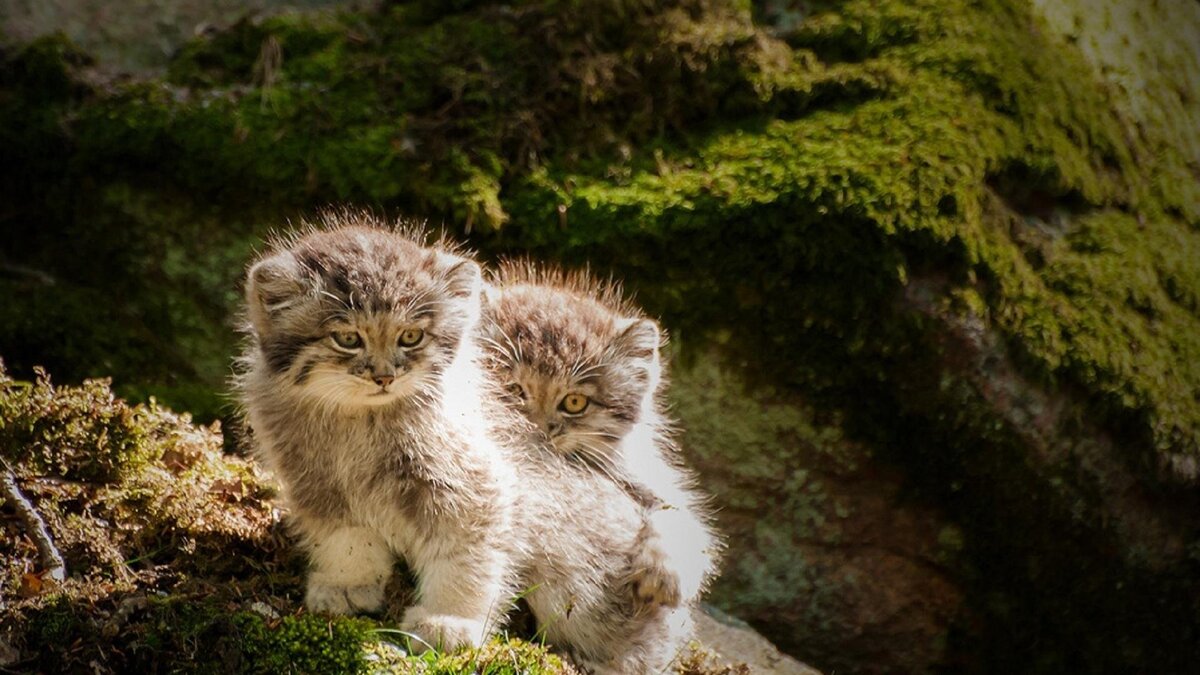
{"x":584,"y":366}
{"x":363,"y":389}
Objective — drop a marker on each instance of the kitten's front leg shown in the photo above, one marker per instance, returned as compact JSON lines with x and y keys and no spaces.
{"x":674,"y":560}
{"x":463,"y":598}
{"x":350,"y":567}
{"x":652,"y":577}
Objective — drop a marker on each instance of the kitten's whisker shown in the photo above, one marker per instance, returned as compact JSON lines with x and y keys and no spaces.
{"x":599,"y":434}
{"x":606,"y":472}
{"x":484,"y":338}
{"x":516,"y":349}
{"x":586,"y":371}
{"x":504,"y":352}
{"x":413,"y":308}
{"x":335,"y":316}
{"x":335,"y":298}
{"x":596,"y":458}
{"x":499,"y":347}
{"x":575,"y":367}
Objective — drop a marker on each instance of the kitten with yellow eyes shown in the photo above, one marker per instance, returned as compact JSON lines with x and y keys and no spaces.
{"x":584,"y":366}
{"x":363,"y":388}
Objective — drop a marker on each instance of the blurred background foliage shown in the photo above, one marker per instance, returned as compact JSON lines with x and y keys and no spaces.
{"x":931,"y":267}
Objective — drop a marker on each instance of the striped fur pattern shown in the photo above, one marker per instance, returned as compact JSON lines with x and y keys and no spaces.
{"x":382,"y":444}
{"x":388,"y":445}
{"x":550,"y":335}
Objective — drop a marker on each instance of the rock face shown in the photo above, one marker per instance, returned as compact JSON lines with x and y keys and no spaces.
{"x":932,"y":266}
{"x":828,"y":555}
{"x":735,"y":643}
{"x":140,"y":35}
{"x":1147,"y":52}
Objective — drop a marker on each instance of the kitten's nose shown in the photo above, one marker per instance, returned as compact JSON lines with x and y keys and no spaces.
{"x":384,"y":380}
{"x":553,"y":427}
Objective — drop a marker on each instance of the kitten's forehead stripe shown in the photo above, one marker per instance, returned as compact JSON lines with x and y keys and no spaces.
{"x":376,"y":276}
{"x":554,"y":331}
{"x":281,"y":350}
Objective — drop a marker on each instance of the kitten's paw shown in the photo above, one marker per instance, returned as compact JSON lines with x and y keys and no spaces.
{"x":653,"y":583}
{"x":335,"y":599}
{"x":442,"y":632}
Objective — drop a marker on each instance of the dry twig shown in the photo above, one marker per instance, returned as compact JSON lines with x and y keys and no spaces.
{"x":51,"y":559}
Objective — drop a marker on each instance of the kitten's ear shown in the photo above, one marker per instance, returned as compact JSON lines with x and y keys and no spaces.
{"x":639,"y":339}
{"x":464,"y":278}
{"x":272,"y":285}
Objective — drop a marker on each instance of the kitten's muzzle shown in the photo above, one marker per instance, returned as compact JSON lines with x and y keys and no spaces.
{"x":383,"y":380}
{"x":550,"y":428}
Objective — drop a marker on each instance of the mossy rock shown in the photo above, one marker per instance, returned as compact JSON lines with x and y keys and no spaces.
{"x":831,"y":555}
{"x":932,"y":224}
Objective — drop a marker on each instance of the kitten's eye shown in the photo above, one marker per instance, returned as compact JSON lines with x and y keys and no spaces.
{"x":573,"y":404}
{"x":411,"y":337}
{"x":517,"y":390}
{"x":346,"y":339}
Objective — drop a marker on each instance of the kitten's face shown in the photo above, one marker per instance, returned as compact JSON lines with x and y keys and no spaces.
{"x":369,"y":358}
{"x":576,"y":370}
{"x":359,"y":317}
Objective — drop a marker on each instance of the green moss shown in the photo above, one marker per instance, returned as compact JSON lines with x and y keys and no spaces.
{"x":242,"y":54}
{"x":81,"y":433}
{"x":142,"y":485}
{"x":305,"y":644}
{"x":766,"y":456}
{"x":56,"y":624}
{"x":500,"y":656}
{"x":209,"y":636}
{"x":203,"y":636}
{"x":979,"y":113}
{"x":46,"y":71}
{"x":1132,"y":277}
{"x":822,"y":164}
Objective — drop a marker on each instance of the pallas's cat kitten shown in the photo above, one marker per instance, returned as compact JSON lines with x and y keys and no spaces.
{"x":584,"y":366}
{"x":365,"y":396}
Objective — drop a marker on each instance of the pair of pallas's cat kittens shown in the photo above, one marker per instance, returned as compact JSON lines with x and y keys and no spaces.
{"x":502,"y":438}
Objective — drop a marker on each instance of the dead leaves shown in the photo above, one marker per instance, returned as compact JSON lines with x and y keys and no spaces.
{"x":230,"y":491}
{"x":36,"y":583}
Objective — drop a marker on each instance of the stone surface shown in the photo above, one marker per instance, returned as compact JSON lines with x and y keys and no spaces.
{"x":1149,"y":52}
{"x":733,"y":642}
{"x":137,"y":35}
{"x":828,"y":555}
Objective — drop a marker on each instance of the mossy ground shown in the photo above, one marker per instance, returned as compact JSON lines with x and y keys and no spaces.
{"x":774,"y":178}
{"x":176,"y":558}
